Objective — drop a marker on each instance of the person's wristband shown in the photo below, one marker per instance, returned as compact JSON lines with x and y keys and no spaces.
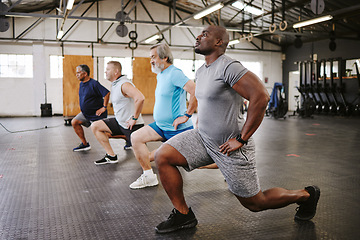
{"x":105,"y":107}
{"x":240,"y":140}
{"x":134,"y":118}
{"x":188,"y":115}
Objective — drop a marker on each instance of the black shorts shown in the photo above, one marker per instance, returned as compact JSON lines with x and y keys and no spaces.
{"x":116,"y":129}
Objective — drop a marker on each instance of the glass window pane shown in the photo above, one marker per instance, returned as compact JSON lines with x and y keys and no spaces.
{"x":4,"y":71}
{"x":187,"y":66}
{"x":4,"y":60}
{"x":20,"y":71}
{"x":12,"y":60}
{"x":20,"y":59}
{"x":255,"y":67}
{"x":17,"y":66}
{"x":56,"y":66}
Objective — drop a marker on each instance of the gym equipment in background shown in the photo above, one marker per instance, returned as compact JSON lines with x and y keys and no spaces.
{"x":278,"y":106}
{"x":326,"y":88}
{"x":308,"y":104}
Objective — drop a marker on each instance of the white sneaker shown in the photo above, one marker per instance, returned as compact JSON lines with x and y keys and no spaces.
{"x":145,"y":181}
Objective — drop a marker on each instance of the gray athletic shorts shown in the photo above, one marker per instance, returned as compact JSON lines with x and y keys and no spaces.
{"x":83,"y":119}
{"x":238,"y":169}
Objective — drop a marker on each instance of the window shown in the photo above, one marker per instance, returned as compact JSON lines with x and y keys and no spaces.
{"x":126,"y":65}
{"x":16,"y":66}
{"x":56,"y":66}
{"x":189,"y":67}
{"x":255,"y":67}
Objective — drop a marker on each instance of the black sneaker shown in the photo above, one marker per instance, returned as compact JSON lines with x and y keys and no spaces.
{"x":107,"y":159}
{"x":177,"y":221}
{"x":127,"y":146}
{"x":307,"y":209}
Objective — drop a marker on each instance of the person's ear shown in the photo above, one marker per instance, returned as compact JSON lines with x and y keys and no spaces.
{"x":219,"y":42}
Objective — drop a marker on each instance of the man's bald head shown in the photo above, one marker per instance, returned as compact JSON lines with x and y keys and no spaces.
{"x":220,"y":33}
{"x":213,"y":40}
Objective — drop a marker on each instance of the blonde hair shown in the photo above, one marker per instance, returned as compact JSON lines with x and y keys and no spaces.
{"x":116,"y":64}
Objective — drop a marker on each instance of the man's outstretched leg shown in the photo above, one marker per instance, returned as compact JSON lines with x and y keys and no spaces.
{"x":167,"y":159}
{"x":279,"y":197}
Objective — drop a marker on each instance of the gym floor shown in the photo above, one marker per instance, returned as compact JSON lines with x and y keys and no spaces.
{"x":47,"y":191}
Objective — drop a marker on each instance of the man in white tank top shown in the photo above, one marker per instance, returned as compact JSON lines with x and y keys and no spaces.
{"x":128,"y":102}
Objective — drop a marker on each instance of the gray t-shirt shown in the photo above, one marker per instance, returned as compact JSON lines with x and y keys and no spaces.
{"x":124,"y":107}
{"x":219,"y":115}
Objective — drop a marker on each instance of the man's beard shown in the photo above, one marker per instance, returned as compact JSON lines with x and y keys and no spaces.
{"x":202,"y":52}
{"x":157,"y":68}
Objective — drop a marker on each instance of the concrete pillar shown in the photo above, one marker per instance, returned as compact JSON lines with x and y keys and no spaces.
{"x":39,"y":79}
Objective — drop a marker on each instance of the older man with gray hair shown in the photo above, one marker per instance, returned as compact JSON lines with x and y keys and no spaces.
{"x":171,"y":114}
{"x":93,"y":99}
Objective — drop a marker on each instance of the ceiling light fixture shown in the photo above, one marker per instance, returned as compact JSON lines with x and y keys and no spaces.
{"x":312,"y":21}
{"x":70,"y":4}
{"x":248,"y":37}
{"x":152,"y":38}
{"x":60,"y":34}
{"x":209,"y":10}
{"x":247,"y":8}
{"x":233,"y":42}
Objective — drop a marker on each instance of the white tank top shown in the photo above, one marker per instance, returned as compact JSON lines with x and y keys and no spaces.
{"x":124,"y":107}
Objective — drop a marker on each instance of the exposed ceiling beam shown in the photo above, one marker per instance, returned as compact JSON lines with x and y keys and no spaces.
{"x":52,"y":16}
{"x":184,"y":20}
{"x":119,"y":43}
{"x":39,"y":20}
{"x":88,"y":8}
{"x":13,"y":5}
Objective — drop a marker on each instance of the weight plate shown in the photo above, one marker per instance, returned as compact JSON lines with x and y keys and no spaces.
{"x":122,"y":17}
{"x":317,"y":6}
{"x":4,"y":24}
{"x":121,"y":30}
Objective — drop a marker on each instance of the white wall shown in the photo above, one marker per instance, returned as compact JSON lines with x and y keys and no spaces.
{"x":22,"y":97}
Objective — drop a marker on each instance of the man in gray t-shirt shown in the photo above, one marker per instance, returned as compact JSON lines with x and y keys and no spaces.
{"x":224,"y":138}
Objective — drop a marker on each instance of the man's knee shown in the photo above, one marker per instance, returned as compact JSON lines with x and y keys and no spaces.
{"x":137,"y":137}
{"x":134,"y":137}
{"x":75,"y":122}
{"x":167,"y":155}
{"x":95,"y":126}
{"x":162,"y":155}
